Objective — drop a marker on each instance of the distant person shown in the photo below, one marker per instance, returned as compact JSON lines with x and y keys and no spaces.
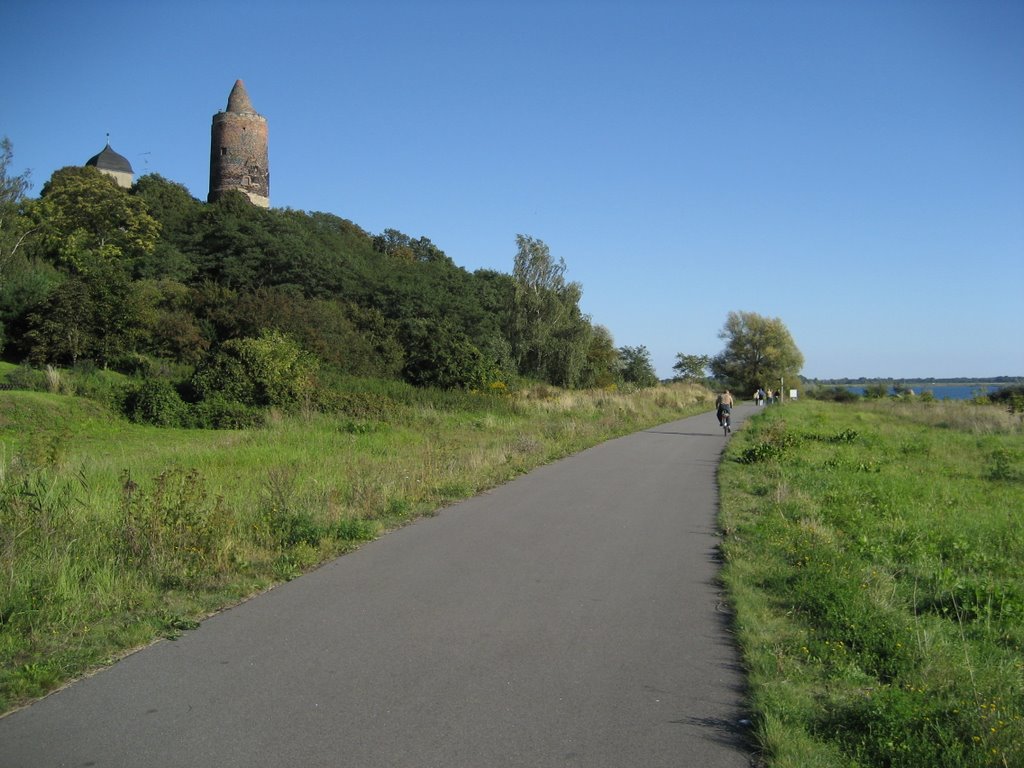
{"x":723,"y":405}
{"x":760,"y":396}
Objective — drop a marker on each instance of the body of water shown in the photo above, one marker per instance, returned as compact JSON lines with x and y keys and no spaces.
{"x":946,"y":391}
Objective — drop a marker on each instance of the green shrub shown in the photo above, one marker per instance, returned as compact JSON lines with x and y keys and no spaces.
{"x":156,"y":401}
{"x":1005,"y":464}
{"x":442,"y":356}
{"x":217,"y":412}
{"x":360,"y":405}
{"x":1012,"y":397}
{"x":28,"y":378}
{"x":355,"y":529}
{"x":271,"y":370}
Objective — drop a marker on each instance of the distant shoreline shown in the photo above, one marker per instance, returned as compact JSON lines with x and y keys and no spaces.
{"x":994,"y":381}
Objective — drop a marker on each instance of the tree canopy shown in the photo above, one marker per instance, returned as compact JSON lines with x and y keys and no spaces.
{"x":691,"y":367}
{"x":759,"y":352}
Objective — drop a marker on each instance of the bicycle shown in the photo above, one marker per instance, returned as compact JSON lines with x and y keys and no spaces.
{"x":726,"y":421}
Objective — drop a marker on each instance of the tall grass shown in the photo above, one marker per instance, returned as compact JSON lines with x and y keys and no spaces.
{"x":875,"y":558}
{"x":112,"y":534}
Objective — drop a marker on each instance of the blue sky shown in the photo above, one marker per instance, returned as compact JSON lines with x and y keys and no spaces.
{"x":853,"y":168}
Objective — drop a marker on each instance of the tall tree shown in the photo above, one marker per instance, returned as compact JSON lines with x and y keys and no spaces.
{"x":759,"y":352}
{"x":549,"y":334}
{"x":13,"y":227}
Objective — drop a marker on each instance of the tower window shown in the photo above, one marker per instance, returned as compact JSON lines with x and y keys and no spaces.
{"x":223,"y":151}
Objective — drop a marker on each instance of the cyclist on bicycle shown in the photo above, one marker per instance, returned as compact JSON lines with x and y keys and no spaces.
{"x":723,"y":405}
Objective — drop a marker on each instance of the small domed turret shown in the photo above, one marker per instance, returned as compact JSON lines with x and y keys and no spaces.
{"x":113,"y":164}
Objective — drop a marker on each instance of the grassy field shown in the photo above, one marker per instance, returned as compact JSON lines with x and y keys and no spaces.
{"x":113,"y":534}
{"x":874,"y":554}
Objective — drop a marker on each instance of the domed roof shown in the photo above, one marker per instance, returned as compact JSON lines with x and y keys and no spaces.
{"x":109,"y":160}
{"x":238,"y":101}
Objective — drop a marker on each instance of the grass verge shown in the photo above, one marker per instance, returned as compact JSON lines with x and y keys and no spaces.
{"x":874,"y":554}
{"x":113,"y":534}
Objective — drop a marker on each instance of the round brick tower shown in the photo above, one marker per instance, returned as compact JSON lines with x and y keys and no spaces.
{"x":238,"y":150}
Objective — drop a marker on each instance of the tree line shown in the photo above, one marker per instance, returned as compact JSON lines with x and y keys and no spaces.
{"x":151,"y":281}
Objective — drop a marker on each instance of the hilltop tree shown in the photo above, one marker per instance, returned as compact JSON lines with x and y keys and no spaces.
{"x":759,"y":352}
{"x":177,"y":212}
{"x":89,"y":223}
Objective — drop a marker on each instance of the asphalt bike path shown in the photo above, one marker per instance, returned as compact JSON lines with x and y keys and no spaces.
{"x":570,"y":617}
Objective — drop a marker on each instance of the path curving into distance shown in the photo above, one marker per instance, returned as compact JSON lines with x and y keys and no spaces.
{"x":570,"y":617}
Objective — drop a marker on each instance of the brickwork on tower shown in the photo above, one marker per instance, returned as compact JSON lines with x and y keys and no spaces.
{"x":239,"y":156}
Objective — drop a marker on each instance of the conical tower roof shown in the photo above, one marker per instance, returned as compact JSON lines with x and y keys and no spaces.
{"x":238,"y":101}
{"x":109,"y":160}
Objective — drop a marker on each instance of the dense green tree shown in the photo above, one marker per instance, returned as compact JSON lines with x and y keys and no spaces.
{"x":152,"y":274}
{"x":89,"y":223}
{"x":602,"y":364}
{"x":636,"y":367}
{"x":168,"y":328}
{"x":215,"y":309}
{"x":493,"y":295}
{"x":566,"y":362}
{"x":759,"y":352}
{"x":345,"y":337}
{"x":177,"y":212}
{"x":88,"y":316}
{"x":23,"y":289}
{"x":400,"y":246}
{"x":229,"y":242}
{"x":440,"y":355}
{"x":691,"y":367}
{"x":14,"y":227}
{"x":548,"y":332}
{"x":245,"y":248}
